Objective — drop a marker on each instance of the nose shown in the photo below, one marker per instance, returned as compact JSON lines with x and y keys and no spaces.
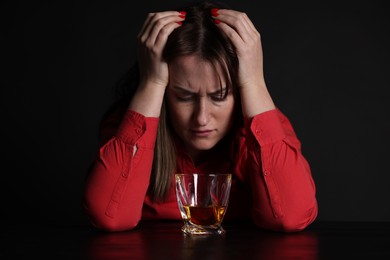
{"x":202,"y":112}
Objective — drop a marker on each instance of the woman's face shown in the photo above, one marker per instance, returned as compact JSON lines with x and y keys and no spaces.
{"x":200,"y":114}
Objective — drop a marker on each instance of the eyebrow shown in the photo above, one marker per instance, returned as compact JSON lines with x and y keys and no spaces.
{"x":191,"y":92}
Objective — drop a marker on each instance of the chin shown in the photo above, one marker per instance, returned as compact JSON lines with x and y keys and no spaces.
{"x":204,"y":146}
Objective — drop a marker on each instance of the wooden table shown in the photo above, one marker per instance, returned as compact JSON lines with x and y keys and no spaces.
{"x":164,"y":240}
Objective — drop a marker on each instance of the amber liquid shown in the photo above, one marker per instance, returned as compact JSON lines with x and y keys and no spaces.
{"x":205,"y":216}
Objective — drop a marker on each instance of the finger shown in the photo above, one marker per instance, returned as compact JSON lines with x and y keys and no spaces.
{"x":232,"y":34}
{"x":162,"y":26}
{"x":163,"y":33}
{"x":155,"y":21}
{"x":233,"y":14}
{"x":148,"y":20}
{"x":146,"y":23}
{"x":239,"y":21}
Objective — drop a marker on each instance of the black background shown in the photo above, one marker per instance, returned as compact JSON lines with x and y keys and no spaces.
{"x":326,"y":65}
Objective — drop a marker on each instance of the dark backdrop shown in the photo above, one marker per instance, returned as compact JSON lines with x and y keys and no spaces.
{"x":327,"y":68}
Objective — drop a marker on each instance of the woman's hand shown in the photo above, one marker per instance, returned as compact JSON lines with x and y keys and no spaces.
{"x":154,"y":76}
{"x":151,"y":42}
{"x":247,"y":41}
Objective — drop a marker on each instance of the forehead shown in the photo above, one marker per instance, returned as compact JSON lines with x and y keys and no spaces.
{"x":194,"y":71}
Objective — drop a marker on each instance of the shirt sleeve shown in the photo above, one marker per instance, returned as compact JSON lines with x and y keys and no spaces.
{"x":119,"y":177}
{"x":282,"y":186}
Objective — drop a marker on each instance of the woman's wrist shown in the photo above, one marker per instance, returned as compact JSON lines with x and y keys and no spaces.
{"x":256,"y":100}
{"x":147,"y":100}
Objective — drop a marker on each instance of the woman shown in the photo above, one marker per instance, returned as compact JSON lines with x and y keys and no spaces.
{"x":200,"y":104}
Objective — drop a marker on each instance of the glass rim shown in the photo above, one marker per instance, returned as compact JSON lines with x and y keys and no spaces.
{"x":204,"y":174}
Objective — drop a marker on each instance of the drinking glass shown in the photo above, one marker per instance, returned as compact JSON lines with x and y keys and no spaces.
{"x":203,"y":200}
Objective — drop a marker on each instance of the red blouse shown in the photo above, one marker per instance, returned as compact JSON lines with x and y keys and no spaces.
{"x":272,"y":182}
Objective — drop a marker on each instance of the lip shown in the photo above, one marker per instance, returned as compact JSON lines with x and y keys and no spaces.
{"x":202,"y":133}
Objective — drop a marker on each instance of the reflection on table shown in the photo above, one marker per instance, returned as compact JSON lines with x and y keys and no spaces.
{"x":152,"y":242}
{"x":164,"y":240}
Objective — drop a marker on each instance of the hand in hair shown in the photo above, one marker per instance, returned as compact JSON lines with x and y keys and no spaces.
{"x":151,"y":42}
{"x":240,"y":30}
{"x":153,"y":70}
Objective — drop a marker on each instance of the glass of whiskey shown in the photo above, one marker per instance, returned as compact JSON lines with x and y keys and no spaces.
{"x":203,"y":200}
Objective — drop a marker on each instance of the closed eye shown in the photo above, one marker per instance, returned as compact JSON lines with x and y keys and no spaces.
{"x":183,"y":95}
{"x":218,"y":98}
{"x":219,"y":95}
{"x":184,"y":98}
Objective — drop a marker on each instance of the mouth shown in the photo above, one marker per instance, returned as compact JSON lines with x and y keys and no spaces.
{"x":202,"y":133}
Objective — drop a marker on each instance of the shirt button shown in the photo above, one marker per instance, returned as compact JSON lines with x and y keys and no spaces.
{"x":267,"y":173}
{"x":138,"y":131}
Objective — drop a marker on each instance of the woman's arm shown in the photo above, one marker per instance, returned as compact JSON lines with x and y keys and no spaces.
{"x":283,"y":190}
{"x":282,"y":186}
{"x":154,"y":74}
{"x":119,"y":178}
{"x":236,"y":25}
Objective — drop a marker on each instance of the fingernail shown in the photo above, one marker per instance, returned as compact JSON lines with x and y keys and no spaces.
{"x":214,"y":11}
{"x":182,"y":14}
{"x":179,"y":23}
{"x":217,"y":21}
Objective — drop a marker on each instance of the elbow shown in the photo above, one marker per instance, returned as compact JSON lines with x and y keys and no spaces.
{"x":103,"y":222}
{"x":112,"y":225}
{"x":289,"y":226}
{"x":299,"y":221}
{"x":288,"y":223}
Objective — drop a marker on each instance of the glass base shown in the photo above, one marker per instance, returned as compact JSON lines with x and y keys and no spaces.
{"x":192,"y":229}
